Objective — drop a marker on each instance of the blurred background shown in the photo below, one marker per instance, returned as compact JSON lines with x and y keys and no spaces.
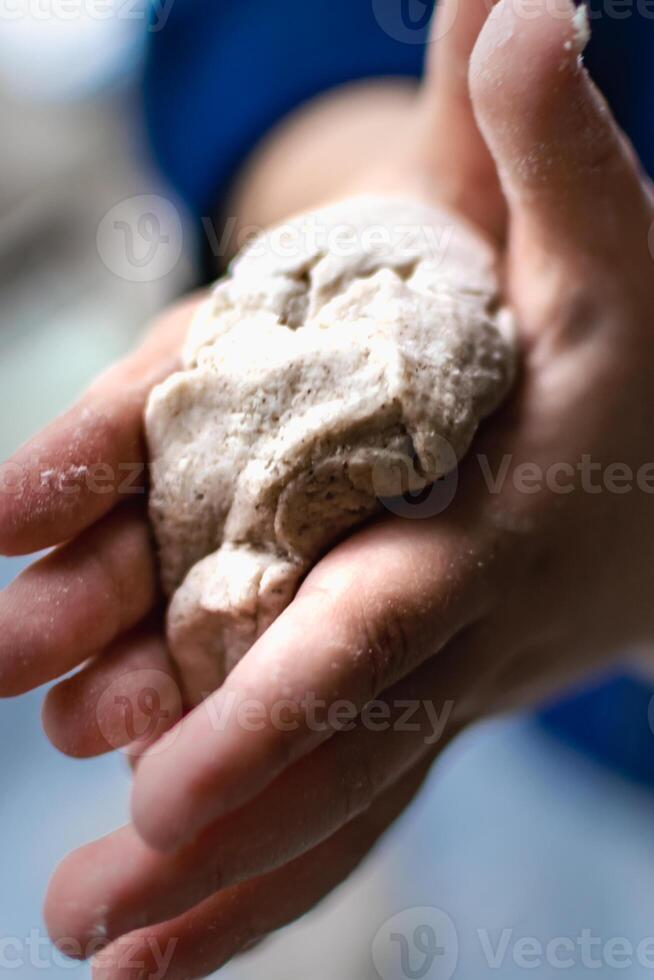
{"x":516,"y":835}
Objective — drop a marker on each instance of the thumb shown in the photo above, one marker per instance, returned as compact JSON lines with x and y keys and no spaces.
{"x":570,"y":177}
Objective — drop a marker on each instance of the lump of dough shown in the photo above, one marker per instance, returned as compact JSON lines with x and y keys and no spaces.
{"x":345,"y":347}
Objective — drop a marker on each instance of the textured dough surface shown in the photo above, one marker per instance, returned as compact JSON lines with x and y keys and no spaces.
{"x":343,"y":350}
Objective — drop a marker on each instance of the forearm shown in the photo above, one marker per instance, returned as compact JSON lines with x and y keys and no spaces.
{"x":360,"y":137}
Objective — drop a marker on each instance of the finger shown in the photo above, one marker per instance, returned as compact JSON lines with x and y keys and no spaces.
{"x":81,"y":465}
{"x":76,"y":601}
{"x":464,"y":169}
{"x":392,"y":596}
{"x":204,"y":939}
{"x":306,"y":805}
{"x":571,"y":179}
{"x":125,"y":698}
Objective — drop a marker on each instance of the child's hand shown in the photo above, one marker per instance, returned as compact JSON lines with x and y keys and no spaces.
{"x":507,"y":594}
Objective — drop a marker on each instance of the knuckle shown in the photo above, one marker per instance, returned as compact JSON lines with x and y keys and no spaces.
{"x":371,"y":628}
{"x":601,"y":152}
{"x":360,"y":780}
{"x":282,"y":749}
{"x":382,"y":641}
{"x":113,"y":590}
{"x":126,"y":547}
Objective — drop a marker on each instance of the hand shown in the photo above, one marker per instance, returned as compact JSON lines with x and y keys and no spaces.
{"x":506,"y":595}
